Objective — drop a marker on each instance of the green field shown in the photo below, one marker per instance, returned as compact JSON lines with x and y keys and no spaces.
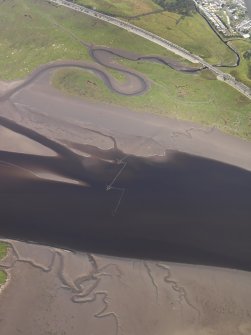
{"x":3,"y":252}
{"x":242,"y":72}
{"x":197,"y":97}
{"x":121,"y":7}
{"x":34,"y":32}
{"x":191,"y":32}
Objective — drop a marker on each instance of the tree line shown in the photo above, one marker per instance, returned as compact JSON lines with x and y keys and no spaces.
{"x":183,"y":7}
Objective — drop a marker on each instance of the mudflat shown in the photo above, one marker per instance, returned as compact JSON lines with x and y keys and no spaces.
{"x":57,"y":291}
{"x":119,"y":201}
{"x":128,"y":184}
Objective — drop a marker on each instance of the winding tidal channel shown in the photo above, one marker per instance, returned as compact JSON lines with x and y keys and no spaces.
{"x":135,"y":83}
{"x":120,"y":183}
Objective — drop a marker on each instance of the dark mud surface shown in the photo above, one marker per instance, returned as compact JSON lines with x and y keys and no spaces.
{"x":104,"y":180}
{"x":178,"y":207}
{"x":103,"y":196}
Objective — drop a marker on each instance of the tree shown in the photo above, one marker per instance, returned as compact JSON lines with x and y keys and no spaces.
{"x":247,"y":55}
{"x":183,"y":7}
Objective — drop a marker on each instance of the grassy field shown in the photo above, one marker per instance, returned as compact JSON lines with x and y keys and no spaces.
{"x":190,"y":32}
{"x":34,"y":32}
{"x":3,"y":252}
{"x":242,"y":72}
{"x":121,"y":7}
{"x":198,"y":97}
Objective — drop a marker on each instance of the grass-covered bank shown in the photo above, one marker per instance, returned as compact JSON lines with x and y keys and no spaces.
{"x":189,"y":31}
{"x":3,"y":277}
{"x":3,"y":253}
{"x":121,"y":7}
{"x":35,"y":32}
{"x":3,"y":249}
{"x":195,"y":97}
{"x":243,"y":71}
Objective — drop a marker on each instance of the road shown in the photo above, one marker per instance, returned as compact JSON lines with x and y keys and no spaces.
{"x":227,"y":78}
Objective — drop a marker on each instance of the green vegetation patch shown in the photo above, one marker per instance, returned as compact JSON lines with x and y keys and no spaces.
{"x":30,"y":36}
{"x":121,"y":7}
{"x":35,"y":32}
{"x":195,"y":97}
{"x":184,"y":7}
{"x":81,"y":83}
{"x":191,"y":32}
{"x":3,"y":277}
{"x":243,"y":71}
{"x":3,"y":253}
{"x":179,"y":23}
{"x":3,"y":249}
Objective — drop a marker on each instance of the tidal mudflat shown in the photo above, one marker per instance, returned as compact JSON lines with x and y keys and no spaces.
{"x":121,"y":183}
{"x":81,"y":293}
{"x":126,"y":194}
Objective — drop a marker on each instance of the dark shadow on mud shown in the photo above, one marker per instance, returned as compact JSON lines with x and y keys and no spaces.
{"x":178,"y":208}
